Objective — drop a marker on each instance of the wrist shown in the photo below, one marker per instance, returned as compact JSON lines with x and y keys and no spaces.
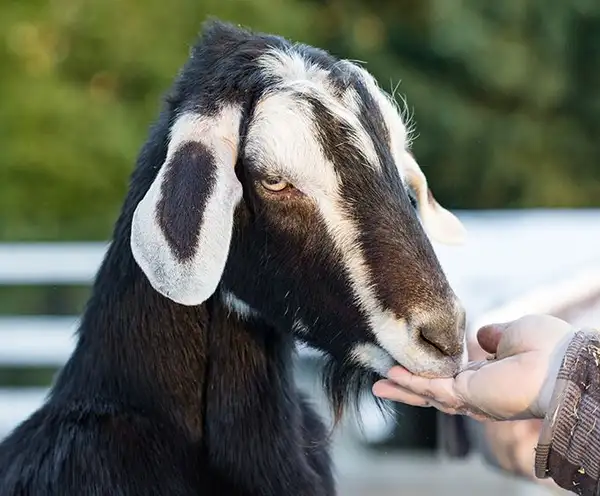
{"x":555,"y":363}
{"x":569,"y":433}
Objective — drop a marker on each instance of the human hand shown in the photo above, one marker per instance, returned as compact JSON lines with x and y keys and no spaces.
{"x":516,"y":383}
{"x":512,"y":443}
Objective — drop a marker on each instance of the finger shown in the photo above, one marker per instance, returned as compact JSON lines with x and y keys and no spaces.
{"x":388,"y":390}
{"x":440,"y":390}
{"x":489,"y":336}
{"x":532,"y":332}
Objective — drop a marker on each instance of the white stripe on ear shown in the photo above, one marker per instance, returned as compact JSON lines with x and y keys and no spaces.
{"x":181,"y":230}
{"x":440,"y":224}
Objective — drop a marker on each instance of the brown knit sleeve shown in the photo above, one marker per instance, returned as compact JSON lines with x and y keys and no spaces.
{"x":569,"y":445}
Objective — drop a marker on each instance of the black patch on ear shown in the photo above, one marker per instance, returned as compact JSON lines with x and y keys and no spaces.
{"x":189,"y":180}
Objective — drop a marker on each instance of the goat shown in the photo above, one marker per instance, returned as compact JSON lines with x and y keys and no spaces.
{"x":270,"y":203}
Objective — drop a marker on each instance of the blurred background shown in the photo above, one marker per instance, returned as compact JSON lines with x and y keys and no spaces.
{"x":505,"y":97}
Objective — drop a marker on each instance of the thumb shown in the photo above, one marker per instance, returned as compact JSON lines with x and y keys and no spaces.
{"x":489,"y":336}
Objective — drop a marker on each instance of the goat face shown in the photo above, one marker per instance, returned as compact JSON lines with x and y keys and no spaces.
{"x":284,"y":192}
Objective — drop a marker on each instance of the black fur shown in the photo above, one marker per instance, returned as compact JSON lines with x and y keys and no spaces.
{"x":160,"y":398}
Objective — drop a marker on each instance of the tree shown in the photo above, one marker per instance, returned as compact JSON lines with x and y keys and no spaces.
{"x":505,"y":95}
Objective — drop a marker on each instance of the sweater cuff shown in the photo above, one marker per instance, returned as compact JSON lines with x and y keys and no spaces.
{"x":568,"y":448}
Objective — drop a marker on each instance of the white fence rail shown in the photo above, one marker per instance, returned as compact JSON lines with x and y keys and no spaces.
{"x":508,"y":255}
{"x":45,"y":340}
{"x":50,"y":263}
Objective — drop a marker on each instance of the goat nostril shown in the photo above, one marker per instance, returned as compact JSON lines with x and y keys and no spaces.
{"x":440,"y":340}
{"x":423,"y":336}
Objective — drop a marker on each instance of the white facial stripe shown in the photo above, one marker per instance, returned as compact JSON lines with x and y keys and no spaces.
{"x":299,"y":75}
{"x":193,"y":281}
{"x":373,"y":357}
{"x":283,"y":140}
{"x":289,"y":66}
{"x":352,"y":100}
{"x":345,"y":235}
{"x":360,"y":140}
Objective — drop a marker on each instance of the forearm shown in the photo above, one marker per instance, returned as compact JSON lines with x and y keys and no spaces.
{"x":569,"y":445}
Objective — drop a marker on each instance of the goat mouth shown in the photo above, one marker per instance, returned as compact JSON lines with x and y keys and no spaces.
{"x":425,"y":360}
{"x":421,"y":361}
{"x":439,"y":369}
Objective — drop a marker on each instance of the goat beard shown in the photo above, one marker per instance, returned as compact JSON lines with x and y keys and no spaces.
{"x":345,"y":385}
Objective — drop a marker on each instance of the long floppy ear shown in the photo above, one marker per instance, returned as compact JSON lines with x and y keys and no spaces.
{"x":440,"y":224}
{"x":181,"y":229}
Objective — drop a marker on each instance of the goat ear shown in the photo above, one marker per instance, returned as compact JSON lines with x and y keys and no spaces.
{"x":181,"y":229}
{"x":440,"y":224}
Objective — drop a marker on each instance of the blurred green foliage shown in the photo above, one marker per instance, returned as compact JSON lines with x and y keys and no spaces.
{"x":505,"y":95}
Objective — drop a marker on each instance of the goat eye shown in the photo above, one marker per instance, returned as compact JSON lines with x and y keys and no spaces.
{"x":275,"y":184}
